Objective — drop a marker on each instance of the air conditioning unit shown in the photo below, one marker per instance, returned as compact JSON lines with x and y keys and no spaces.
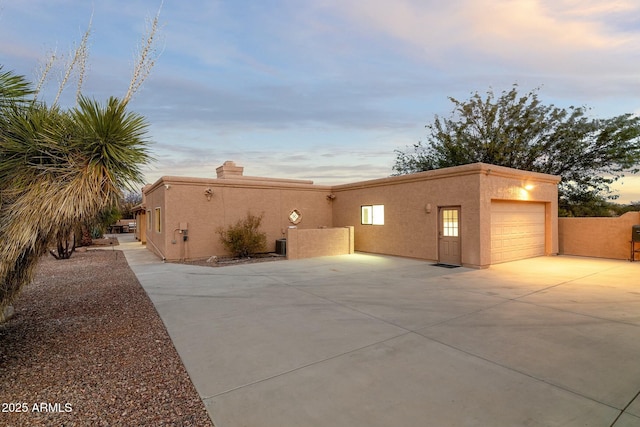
{"x":281,"y":246}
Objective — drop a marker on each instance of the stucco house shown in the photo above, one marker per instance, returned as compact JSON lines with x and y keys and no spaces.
{"x":473,"y":215}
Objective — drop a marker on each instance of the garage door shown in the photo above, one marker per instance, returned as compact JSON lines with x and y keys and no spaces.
{"x":517,"y":230}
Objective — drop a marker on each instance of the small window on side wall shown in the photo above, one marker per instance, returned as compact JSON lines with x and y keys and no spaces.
{"x":372,"y":214}
{"x":158,"y":223}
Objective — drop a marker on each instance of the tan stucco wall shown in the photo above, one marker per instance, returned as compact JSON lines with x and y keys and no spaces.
{"x":598,"y":237}
{"x":156,"y":242}
{"x":411,"y":205}
{"x":408,"y":230}
{"x":411,"y":231}
{"x":140,"y":214}
{"x":185,"y":201}
{"x":315,"y":242}
{"x":141,"y":226}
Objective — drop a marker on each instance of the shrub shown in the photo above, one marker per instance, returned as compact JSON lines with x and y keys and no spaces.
{"x":244,"y":238}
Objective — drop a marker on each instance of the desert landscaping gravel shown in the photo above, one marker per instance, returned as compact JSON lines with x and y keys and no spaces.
{"x":86,"y":347}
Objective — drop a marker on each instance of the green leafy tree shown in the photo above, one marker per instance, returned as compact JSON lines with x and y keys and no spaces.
{"x":519,"y":131}
{"x":128,"y":202}
{"x":631,"y":207}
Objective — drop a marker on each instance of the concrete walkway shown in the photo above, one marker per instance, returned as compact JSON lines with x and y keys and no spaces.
{"x":366,"y":340}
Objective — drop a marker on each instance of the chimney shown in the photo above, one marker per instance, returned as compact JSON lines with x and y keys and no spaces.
{"x":229,"y":170}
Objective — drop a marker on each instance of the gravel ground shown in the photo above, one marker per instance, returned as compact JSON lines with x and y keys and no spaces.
{"x":87,"y":347}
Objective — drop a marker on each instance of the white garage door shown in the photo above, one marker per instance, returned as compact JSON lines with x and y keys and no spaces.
{"x":517,"y":230}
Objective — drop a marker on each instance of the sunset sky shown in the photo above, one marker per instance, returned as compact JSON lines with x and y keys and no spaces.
{"x":327,"y":89}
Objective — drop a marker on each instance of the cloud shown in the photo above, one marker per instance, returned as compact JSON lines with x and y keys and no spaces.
{"x":628,"y":188}
{"x":321,"y":164}
{"x":326,"y":90}
{"x":532,"y":35}
{"x":170,"y":99}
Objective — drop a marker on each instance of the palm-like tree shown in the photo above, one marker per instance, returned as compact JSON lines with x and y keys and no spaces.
{"x":58,"y":168}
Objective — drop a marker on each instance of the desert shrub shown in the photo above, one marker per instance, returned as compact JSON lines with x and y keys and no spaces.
{"x":244,"y":238}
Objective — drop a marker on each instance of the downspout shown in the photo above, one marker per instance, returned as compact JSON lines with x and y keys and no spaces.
{"x":158,"y":249}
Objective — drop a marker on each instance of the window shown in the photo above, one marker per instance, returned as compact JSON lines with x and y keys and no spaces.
{"x":450,"y":222}
{"x":157,"y":221}
{"x":149,"y":220}
{"x":372,"y":214}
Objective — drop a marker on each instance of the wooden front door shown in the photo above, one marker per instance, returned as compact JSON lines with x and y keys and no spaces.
{"x":449,"y":236}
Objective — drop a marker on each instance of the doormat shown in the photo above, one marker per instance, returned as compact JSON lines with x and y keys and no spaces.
{"x":445,"y":265}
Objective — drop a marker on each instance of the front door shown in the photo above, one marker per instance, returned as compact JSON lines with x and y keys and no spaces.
{"x":449,"y":236}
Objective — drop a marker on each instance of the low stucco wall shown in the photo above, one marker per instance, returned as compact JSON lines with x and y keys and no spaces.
{"x":597,"y":237}
{"x":309,"y":243}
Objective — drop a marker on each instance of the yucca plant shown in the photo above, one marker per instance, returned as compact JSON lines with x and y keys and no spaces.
{"x":13,"y":89}
{"x":63,"y":168}
{"x":57,"y":169}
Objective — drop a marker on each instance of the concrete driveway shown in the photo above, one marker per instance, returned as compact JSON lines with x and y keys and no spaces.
{"x":367,"y":340}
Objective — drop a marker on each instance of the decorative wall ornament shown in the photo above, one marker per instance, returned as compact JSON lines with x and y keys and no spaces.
{"x":295,"y":216}
{"x":208,"y":192}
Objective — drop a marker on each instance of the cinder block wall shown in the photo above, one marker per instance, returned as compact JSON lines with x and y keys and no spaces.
{"x":597,"y":237}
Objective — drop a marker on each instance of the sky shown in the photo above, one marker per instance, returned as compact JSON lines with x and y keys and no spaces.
{"x":327,"y":90}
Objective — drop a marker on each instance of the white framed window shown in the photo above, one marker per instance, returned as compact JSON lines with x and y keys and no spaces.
{"x":372,"y":214}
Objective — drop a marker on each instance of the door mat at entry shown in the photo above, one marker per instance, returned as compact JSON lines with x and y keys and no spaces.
{"x":445,"y":265}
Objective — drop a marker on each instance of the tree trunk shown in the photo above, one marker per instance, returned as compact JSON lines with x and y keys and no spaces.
{"x":63,"y":250}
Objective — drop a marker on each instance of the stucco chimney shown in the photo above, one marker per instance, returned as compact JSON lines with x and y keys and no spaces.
{"x":229,"y":170}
